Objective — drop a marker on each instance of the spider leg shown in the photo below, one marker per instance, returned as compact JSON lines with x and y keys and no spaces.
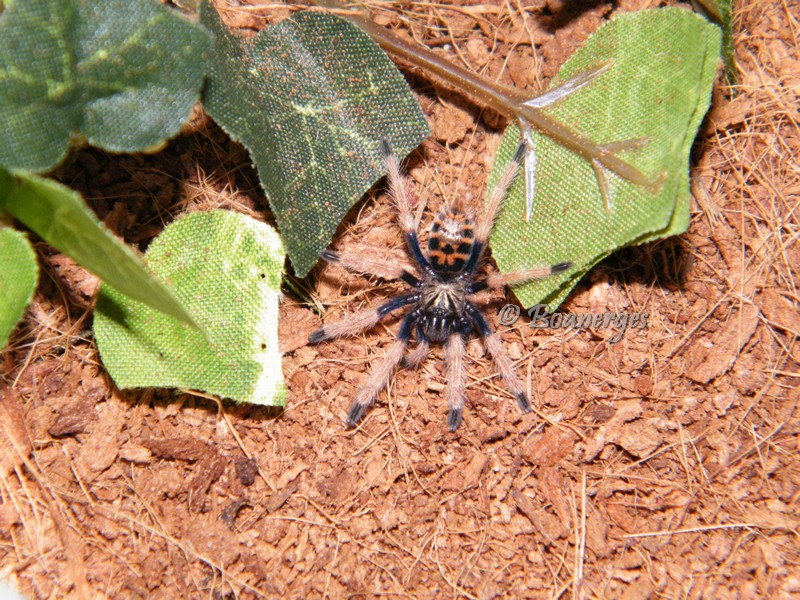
{"x":414,"y":359}
{"x":404,"y":199}
{"x":494,"y":201}
{"x":380,"y":374}
{"x":496,"y":280}
{"x":361,"y":321}
{"x":362,"y":262}
{"x":501,"y":360}
{"x":454,"y":350}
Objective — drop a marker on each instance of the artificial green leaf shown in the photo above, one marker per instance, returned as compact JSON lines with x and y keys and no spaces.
{"x":6,"y":185}
{"x":123,"y":73}
{"x":61,"y":218}
{"x":18,"y":275}
{"x":226,"y":268}
{"x":310,"y":98}
{"x":721,"y":12}
{"x":659,"y":88}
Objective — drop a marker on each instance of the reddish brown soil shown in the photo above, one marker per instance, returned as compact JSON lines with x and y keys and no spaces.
{"x":665,"y":465}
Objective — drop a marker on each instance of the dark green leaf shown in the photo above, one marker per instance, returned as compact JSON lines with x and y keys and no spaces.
{"x":6,"y":185}
{"x":124,"y":73}
{"x":721,"y":12}
{"x":310,"y":98}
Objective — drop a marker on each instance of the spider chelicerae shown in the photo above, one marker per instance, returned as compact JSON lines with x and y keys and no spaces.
{"x":439,"y":301}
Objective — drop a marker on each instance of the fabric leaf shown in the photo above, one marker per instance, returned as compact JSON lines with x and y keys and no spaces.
{"x":226,"y":269}
{"x":19,"y":273}
{"x":60,"y":217}
{"x":122,"y":73}
{"x":310,"y":98}
{"x":659,"y":88}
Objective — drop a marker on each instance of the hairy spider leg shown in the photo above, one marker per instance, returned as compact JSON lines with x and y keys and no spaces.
{"x":404,"y":199}
{"x":414,"y":359}
{"x":363,"y":320}
{"x":368,"y":265}
{"x":501,"y":361}
{"x":454,"y":350}
{"x":494,"y":201}
{"x":496,"y":280}
{"x":380,"y":374}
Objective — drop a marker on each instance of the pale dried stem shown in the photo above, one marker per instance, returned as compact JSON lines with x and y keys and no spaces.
{"x":508,"y":101}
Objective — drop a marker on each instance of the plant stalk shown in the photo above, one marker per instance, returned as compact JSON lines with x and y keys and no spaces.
{"x":505,"y":100}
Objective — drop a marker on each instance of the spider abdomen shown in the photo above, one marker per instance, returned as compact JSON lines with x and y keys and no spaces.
{"x":451,"y":240}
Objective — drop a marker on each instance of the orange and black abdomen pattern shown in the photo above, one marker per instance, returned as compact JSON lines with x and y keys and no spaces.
{"x":451,"y":240}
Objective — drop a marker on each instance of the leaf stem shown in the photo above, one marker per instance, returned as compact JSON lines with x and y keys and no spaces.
{"x":505,"y":100}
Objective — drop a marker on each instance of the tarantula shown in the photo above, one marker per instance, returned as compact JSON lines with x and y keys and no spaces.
{"x":441,"y":311}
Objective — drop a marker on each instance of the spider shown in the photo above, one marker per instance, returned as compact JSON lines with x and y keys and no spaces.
{"x":439,"y":300}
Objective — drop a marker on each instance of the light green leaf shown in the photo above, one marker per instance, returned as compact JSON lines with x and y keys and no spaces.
{"x":61,"y":218}
{"x":19,"y":273}
{"x":124,"y":73}
{"x":659,"y":88}
{"x":310,"y":98}
{"x":226,"y":268}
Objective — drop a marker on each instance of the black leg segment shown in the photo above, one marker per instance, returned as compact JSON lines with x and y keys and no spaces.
{"x":395,"y":303}
{"x":481,"y":326}
{"x":454,"y":418}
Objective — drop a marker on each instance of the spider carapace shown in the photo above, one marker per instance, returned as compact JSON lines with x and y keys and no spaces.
{"x":440,"y":299}
{"x":450,"y":244}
